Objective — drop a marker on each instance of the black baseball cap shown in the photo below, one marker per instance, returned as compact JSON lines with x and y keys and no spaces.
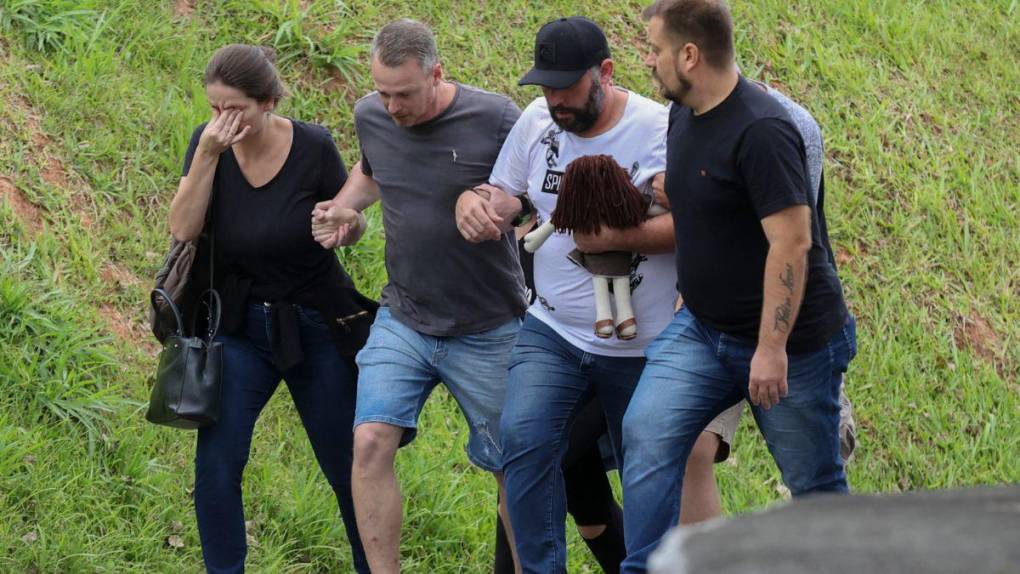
{"x":564,"y":50}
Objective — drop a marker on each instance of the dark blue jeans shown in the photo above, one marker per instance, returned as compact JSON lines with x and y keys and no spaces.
{"x":323,"y":388}
{"x":695,"y":372}
{"x":549,"y":381}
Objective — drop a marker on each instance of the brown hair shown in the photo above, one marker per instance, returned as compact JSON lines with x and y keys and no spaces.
{"x":705,"y":23}
{"x":596,"y":191}
{"x":247,"y":68}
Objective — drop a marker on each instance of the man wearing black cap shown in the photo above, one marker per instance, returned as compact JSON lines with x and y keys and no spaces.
{"x":559,"y":362}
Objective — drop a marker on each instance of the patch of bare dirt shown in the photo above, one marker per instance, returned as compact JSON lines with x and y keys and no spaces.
{"x":29,"y":213}
{"x":117,"y":275}
{"x":184,"y":8}
{"x":129,"y":329}
{"x":844,"y":256}
{"x":975,"y":333}
{"x":39,"y":137}
{"x":53,"y":173}
{"x":132,"y":329}
{"x":51,"y":169}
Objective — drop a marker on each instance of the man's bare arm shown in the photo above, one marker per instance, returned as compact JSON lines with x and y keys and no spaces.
{"x":340,"y":221}
{"x":789,"y":236}
{"x":359,"y":192}
{"x":653,"y":235}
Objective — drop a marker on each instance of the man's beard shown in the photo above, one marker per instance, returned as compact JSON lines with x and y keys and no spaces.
{"x":676,"y":96}
{"x":582,"y":118}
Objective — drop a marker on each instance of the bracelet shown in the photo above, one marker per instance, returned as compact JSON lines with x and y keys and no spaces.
{"x":526,"y":213}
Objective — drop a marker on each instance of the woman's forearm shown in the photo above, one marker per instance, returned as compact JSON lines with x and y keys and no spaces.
{"x":190,"y":204}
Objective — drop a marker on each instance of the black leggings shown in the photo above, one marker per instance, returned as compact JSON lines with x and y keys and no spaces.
{"x":589,"y":495}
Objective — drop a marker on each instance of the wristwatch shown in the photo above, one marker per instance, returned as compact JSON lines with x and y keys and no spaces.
{"x":527,"y":211}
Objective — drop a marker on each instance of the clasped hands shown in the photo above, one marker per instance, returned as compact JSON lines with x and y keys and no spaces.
{"x":485,"y":213}
{"x":334,"y":225}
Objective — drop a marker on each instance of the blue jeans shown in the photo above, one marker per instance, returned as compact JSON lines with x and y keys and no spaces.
{"x":550,"y":381}
{"x":399,"y":367}
{"x":323,"y":389}
{"x":695,"y":372}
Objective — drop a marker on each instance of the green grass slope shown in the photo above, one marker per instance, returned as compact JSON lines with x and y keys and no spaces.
{"x":919,"y":108}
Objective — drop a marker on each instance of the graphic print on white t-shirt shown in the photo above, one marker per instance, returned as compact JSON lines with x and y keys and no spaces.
{"x":533,"y":159}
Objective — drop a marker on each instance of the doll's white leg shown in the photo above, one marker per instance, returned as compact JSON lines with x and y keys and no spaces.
{"x":626,"y":325}
{"x":603,"y":312}
{"x":537,"y":236}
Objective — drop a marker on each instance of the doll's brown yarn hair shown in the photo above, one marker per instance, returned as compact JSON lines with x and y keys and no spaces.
{"x":596,"y":191}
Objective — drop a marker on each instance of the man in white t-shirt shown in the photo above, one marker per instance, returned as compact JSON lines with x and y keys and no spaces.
{"x":559,"y":362}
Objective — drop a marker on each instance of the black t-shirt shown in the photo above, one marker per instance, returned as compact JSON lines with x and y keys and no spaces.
{"x":264,"y":234}
{"x":728,"y":169}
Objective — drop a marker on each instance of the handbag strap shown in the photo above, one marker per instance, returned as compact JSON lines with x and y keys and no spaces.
{"x":159,"y":293}
{"x":215,"y":307}
{"x":212,"y":253}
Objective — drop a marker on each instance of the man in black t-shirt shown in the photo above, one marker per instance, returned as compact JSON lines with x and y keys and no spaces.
{"x":763,"y":315}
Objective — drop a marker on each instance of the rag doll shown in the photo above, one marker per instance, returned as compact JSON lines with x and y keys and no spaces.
{"x":597,"y":192}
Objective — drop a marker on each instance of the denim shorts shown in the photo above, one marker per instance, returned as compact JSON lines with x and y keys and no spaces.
{"x":399,"y":367}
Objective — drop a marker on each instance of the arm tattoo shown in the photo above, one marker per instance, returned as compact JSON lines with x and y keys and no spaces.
{"x":782,"y":320}
{"x":786,"y":278}
{"x":783,"y":312}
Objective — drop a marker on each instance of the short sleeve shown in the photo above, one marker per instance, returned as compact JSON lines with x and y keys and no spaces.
{"x":657,"y":140}
{"x":674,"y":111}
{"x":334,"y":174}
{"x":192,"y":146}
{"x":366,"y":168}
{"x":510,"y":172}
{"x":771,"y":162}
{"x":511,"y":113}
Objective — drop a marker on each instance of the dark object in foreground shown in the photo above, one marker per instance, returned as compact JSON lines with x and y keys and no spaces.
{"x":975,"y":530}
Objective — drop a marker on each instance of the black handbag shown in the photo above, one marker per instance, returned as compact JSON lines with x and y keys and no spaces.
{"x":186,"y":393}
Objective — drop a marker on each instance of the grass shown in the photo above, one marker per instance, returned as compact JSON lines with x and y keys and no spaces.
{"x":918,"y":105}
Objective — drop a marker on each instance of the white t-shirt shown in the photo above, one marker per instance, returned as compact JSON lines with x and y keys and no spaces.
{"x":533,"y":159}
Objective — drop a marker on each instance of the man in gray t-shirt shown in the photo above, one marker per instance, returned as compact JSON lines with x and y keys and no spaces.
{"x":440,"y":284}
{"x":451,"y":309}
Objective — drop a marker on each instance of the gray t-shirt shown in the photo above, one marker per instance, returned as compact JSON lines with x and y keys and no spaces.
{"x":809,"y":132}
{"x":439,"y":283}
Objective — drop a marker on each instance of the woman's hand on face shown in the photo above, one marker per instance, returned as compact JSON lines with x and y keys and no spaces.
{"x":222,"y":132}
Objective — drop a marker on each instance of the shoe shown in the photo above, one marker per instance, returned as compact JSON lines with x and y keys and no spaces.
{"x":604,"y":328}
{"x":627,"y":330}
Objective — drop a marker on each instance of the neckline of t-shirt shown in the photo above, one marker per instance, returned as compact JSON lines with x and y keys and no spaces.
{"x":286,"y":161}
{"x":723,"y":105}
{"x":442,"y":114}
{"x":627,"y":107}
